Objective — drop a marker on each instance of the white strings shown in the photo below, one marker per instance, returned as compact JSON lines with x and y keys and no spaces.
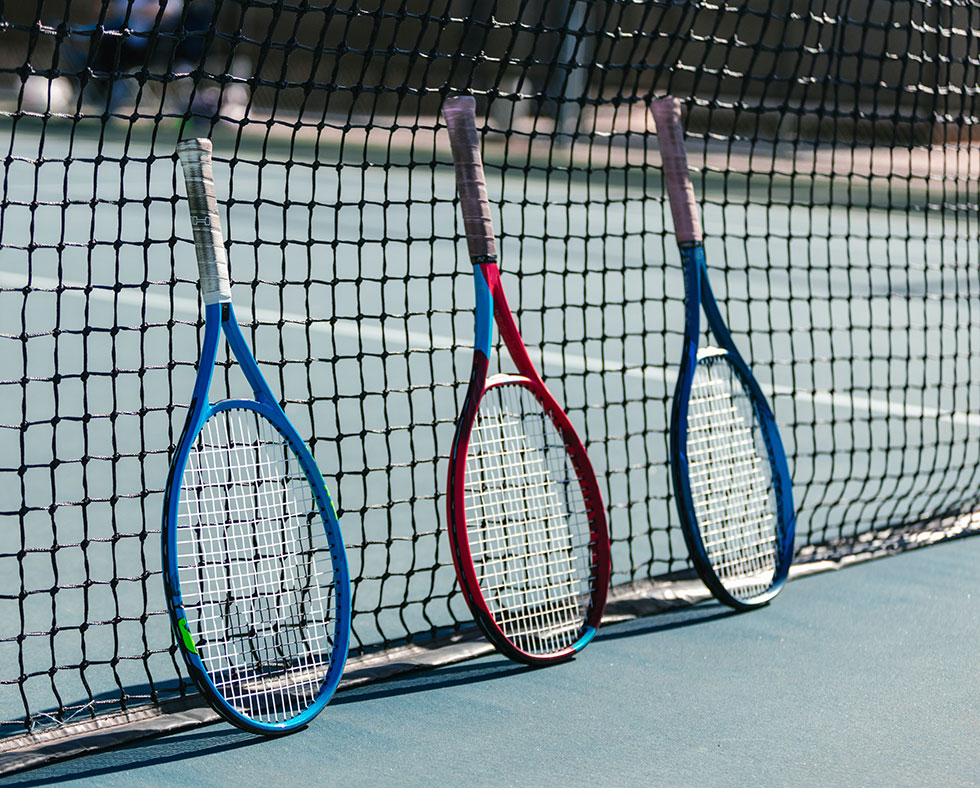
{"x":526,"y":522}
{"x":730,"y":480}
{"x":254,"y":567}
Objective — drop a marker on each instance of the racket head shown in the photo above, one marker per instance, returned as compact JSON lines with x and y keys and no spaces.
{"x":732,"y":482}
{"x":255,"y":568}
{"x":527,"y":527}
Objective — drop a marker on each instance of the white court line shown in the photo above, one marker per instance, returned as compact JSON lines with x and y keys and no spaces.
{"x":416,"y":340}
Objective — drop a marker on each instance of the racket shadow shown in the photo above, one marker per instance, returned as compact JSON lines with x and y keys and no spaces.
{"x":132,"y":757}
{"x":695,"y":615}
{"x":433,"y":679}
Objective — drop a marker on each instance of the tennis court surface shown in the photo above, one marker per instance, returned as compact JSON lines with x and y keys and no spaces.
{"x":835,"y":163}
{"x":860,"y":676}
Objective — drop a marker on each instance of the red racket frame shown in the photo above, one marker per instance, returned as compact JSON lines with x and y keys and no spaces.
{"x":479,"y":384}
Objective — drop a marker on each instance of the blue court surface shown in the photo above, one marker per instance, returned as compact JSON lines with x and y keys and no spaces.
{"x":863,"y":676}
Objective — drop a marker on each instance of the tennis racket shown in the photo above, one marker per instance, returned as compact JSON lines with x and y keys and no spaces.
{"x":731,"y":480}
{"x":253,"y":559}
{"x":527,"y":524}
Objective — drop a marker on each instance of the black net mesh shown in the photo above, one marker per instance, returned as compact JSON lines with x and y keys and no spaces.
{"x":838,"y":180}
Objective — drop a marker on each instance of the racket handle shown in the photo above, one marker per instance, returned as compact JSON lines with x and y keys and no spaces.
{"x":667,"y":114}
{"x":212,"y":262}
{"x":471,"y":183}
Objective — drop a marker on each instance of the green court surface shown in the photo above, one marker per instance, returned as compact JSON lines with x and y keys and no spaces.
{"x":865,"y":676}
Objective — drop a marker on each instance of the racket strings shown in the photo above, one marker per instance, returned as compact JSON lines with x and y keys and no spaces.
{"x":527,"y":525}
{"x":254,"y":566}
{"x":730,"y":481}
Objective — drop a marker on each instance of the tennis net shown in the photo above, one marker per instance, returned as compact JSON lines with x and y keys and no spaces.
{"x":837,"y":175}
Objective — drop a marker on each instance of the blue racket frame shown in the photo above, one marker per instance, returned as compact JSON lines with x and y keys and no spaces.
{"x":220,"y":318}
{"x":698,"y":295}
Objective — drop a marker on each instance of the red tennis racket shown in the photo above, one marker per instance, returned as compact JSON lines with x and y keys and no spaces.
{"x":527,"y":524}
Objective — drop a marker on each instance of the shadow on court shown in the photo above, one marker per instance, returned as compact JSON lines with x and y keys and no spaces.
{"x":167,"y":750}
{"x":429,"y":680}
{"x":704,"y":613}
{"x":501,"y":667}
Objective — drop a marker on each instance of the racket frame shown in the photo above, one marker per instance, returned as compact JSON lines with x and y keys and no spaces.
{"x":699,"y":295}
{"x":219,"y":318}
{"x":492,"y":307}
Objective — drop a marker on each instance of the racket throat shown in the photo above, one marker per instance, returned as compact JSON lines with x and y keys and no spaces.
{"x":483,"y":314}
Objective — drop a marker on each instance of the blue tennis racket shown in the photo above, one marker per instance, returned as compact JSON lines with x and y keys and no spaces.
{"x":731,"y":479}
{"x":253,"y":558}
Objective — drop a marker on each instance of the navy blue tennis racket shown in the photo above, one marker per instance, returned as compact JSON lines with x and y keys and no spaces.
{"x":731,"y":479}
{"x":254,"y":565}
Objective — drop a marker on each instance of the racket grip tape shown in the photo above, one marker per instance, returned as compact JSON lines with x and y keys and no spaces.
{"x":471,"y":183}
{"x":212,"y":262}
{"x":667,"y":114}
